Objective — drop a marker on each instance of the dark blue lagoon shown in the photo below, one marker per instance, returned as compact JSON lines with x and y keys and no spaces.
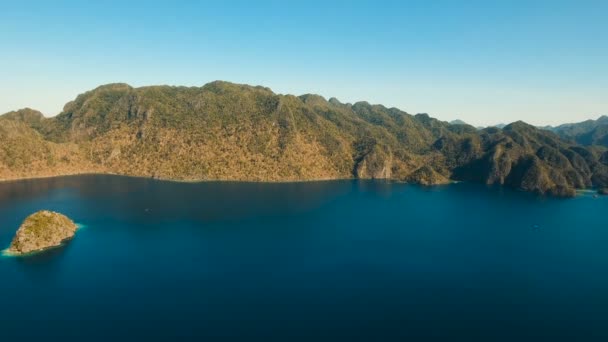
{"x":343,"y":260}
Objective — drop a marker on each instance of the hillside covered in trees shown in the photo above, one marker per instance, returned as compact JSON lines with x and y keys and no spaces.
{"x":589,"y":132}
{"x":225,"y":131}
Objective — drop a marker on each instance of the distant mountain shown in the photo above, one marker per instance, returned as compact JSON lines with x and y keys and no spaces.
{"x":590,"y":132}
{"x":458,"y":122}
{"x":225,"y":131}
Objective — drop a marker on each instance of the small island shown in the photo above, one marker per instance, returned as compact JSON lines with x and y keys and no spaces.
{"x":41,"y":230}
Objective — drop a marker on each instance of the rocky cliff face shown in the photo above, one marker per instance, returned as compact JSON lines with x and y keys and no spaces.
{"x":524,"y":157}
{"x":226,"y":131}
{"x":42,"y":230}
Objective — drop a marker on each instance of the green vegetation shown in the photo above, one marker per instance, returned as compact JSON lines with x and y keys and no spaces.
{"x":590,"y":132}
{"x":226,"y":131}
{"x":42,"y":230}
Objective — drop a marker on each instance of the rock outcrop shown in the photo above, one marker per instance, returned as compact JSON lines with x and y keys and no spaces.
{"x":42,"y":230}
{"x":427,"y":176}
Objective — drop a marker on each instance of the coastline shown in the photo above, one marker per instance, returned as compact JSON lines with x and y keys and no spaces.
{"x":227,"y":180}
{"x":579,"y":192}
{"x":176,"y":180}
{"x":80,"y":173}
{"x":6,"y":253}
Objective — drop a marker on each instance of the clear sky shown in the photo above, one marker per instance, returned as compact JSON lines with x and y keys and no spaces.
{"x":485,"y":62}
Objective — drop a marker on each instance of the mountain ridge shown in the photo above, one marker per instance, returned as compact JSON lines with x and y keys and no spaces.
{"x":227,"y":131}
{"x":588,"y":132}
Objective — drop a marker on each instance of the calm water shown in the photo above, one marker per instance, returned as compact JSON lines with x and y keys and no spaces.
{"x":310,"y":261}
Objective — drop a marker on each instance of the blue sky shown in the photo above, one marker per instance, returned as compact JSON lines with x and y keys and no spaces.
{"x":485,"y":62}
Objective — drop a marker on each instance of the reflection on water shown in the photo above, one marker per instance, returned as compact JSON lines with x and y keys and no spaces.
{"x":45,"y":257}
{"x":40,"y":266}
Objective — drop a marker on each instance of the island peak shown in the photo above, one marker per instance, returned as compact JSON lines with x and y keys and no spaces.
{"x":41,"y":230}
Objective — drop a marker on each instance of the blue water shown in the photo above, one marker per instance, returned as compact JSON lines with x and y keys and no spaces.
{"x":341,"y":260}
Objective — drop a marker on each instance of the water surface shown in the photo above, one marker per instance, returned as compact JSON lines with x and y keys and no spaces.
{"x":352,"y":260}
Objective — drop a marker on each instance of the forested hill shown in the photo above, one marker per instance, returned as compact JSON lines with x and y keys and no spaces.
{"x":225,"y":131}
{"x":590,"y":132}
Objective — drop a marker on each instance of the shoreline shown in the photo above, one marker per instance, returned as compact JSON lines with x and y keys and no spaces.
{"x":7,"y":180}
{"x":7,"y":253}
{"x":223,"y":180}
{"x":579,"y":192}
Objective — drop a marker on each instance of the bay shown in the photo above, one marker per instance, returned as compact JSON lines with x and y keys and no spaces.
{"x":334,"y":260}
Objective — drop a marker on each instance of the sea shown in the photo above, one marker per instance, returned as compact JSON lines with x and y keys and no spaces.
{"x":347,"y":260}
